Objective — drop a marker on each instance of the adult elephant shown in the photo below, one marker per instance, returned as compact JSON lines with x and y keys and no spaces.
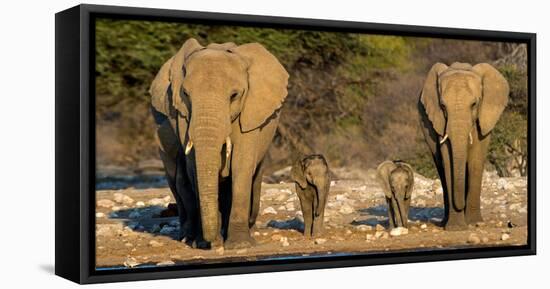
{"x":459,"y":107}
{"x":217,"y":109}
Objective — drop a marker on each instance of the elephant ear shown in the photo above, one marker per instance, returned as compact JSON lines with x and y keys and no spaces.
{"x":410,"y":172}
{"x":170,"y":79}
{"x":383,"y":173}
{"x":297,"y":174}
{"x":430,"y":98}
{"x":160,"y":98}
{"x":267,"y":85}
{"x":494,"y":97}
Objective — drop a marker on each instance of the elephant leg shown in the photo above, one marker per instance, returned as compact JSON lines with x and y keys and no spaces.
{"x":224,"y":200}
{"x":476,"y":164}
{"x":391,"y":214}
{"x":318,"y":224}
{"x":405,"y":215}
{"x":186,"y":205}
{"x":307,"y":212}
{"x":438,"y":160}
{"x":170,"y":167}
{"x":238,"y":235}
{"x":455,"y":220}
{"x":256,"y":192}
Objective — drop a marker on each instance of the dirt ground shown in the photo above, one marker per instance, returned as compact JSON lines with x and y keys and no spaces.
{"x":130,"y":231}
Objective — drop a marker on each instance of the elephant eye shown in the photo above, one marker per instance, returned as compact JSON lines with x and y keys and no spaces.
{"x":443,"y":107}
{"x":234,"y":95}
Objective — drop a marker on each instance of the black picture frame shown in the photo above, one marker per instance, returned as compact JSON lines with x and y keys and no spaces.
{"x":75,"y":144}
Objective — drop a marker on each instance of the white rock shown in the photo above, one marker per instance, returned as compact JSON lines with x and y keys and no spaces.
{"x":341,"y":197}
{"x":346,"y":209}
{"x":370,"y":237}
{"x":269,"y":210}
{"x":284,"y":241}
{"x":281,"y":208}
{"x":166,"y":263}
{"x":131,"y":262}
{"x":156,"y":202}
{"x":99,"y":215}
{"x":378,"y":234}
{"x":399,"y":231}
{"x":167,"y":230}
{"x":364,"y":228}
{"x":423,"y":226}
{"x":505,"y":237}
{"x":474,"y":239}
{"x":105,"y":203}
{"x":380,"y":227}
{"x":167,"y":199}
{"x":123,"y":199}
{"x":155,"y":244}
{"x":107,"y":229}
{"x":320,"y":241}
{"x":140,"y":204}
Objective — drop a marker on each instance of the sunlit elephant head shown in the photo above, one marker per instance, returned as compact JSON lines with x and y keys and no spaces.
{"x":456,"y":98}
{"x":210,"y":88}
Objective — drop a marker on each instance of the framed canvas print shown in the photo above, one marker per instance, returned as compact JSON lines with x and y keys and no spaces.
{"x":195,"y":144}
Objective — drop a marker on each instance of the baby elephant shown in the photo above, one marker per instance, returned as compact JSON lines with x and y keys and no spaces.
{"x":311,"y":175}
{"x":397,"y":179}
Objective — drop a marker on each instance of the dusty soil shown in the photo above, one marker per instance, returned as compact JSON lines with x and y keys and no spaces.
{"x":130,"y":231}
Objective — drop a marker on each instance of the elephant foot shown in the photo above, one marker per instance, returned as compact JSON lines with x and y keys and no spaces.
{"x":240,"y":241}
{"x":202,"y":244}
{"x":455,"y":227}
{"x":456,"y":224}
{"x":474,"y":218}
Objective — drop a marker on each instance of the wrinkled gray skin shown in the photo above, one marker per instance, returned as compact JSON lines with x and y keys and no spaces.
{"x":216,"y":110}
{"x":459,"y":106}
{"x":311,"y":175}
{"x":397,"y":179}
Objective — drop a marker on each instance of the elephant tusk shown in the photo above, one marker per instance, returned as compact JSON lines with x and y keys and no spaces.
{"x":444,"y":139}
{"x":228,"y":147}
{"x":470,"y":138}
{"x":188,"y":147}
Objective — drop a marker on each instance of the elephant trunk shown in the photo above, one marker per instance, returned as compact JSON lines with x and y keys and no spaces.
{"x":397,"y":213}
{"x":459,"y":143}
{"x":321,"y":189}
{"x":403,"y":215}
{"x":208,"y":165}
{"x":208,"y":133}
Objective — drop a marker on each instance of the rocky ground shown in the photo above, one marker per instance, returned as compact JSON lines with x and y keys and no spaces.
{"x":132,"y":230}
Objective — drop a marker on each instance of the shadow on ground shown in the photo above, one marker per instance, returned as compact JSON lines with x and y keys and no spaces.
{"x":149,"y":220}
{"x":379,"y":215}
{"x":292,"y":224}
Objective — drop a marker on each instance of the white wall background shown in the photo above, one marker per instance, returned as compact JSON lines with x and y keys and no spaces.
{"x":27,"y":142}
